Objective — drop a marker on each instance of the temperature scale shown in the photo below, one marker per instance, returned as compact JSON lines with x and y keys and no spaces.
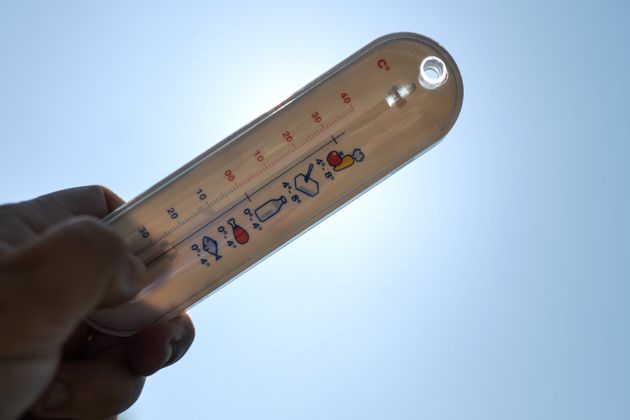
{"x":282,"y":173}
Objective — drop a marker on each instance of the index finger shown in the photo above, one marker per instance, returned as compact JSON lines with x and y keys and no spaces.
{"x":51,"y":209}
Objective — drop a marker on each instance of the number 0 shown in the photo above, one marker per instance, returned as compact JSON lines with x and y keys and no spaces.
{"x":229,"y":175}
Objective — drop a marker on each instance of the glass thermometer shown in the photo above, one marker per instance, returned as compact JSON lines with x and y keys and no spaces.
{"x":285,"y":171}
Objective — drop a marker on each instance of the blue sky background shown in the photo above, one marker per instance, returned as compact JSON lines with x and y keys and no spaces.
{"x":489,"y":279}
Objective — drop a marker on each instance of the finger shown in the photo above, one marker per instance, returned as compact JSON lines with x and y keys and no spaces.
{"x":94,"y":200}
{"x":149,"y":350}
{"x":71,"y":270}
{"x":29,"y":416}
{"x":160,"y":345}
{"x":50,"y":209}
{"x":96,"y":388}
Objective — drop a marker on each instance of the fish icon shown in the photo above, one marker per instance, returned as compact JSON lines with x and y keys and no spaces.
{"x":211,"y":247}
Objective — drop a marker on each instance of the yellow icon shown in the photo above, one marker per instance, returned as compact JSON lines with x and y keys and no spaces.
{"x":346,"y":162}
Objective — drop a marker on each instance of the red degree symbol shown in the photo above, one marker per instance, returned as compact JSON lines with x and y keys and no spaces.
{"x":382,"y":64}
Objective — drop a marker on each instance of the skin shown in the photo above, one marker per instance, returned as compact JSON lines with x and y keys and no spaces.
{"x":58,"y":263}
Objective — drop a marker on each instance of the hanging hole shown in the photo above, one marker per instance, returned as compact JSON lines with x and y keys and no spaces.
{"x":433,"y":73}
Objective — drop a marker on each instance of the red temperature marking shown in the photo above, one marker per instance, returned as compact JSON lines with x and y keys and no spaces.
{"x":287,"y":136}
{"x":272,"y":161}
{"x":382,"y":64}
{"x":316,"y":117}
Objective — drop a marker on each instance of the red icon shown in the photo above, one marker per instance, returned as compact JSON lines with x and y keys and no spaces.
{"x":240,"y":234}
{"x":340,"y":161}
{"x":383,"y":64}
{"x":333,"y":158}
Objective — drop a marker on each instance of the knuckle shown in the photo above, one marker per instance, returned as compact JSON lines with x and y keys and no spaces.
{"x":96,"y":192}
{"x":95,"y":189}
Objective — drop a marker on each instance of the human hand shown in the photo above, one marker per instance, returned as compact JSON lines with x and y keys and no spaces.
{"x":58,"y":263}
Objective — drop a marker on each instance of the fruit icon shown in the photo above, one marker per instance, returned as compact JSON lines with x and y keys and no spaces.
{"x":340,"y":161}
{"x":333,"y":158}
{"x":346,"y":162}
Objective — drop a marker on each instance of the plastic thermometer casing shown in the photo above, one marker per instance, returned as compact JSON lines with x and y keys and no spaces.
{"x":282,"y":173}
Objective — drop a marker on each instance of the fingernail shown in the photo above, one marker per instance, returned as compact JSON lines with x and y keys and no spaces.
{"x":171,"y":359}
{"x":57,"y":396}
{"x":181,"y":342}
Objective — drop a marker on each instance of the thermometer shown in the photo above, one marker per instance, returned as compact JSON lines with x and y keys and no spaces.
{"x":285,"y":171}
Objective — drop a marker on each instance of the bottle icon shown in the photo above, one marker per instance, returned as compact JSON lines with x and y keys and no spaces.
{"x":270,"y":208}
{"x":240,"y":234}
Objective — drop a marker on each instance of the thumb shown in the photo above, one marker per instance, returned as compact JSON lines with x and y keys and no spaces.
{"x":48,"y":287}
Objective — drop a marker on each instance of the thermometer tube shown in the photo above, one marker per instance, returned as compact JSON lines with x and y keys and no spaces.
{"x":282,"y":173}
